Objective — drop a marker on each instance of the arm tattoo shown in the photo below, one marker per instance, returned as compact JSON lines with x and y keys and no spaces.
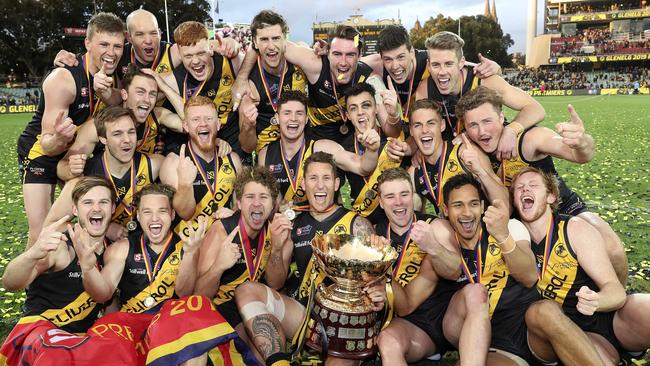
{"x":274,"y":259}
{"x":361,"y":226}
{"x":267,"y":335}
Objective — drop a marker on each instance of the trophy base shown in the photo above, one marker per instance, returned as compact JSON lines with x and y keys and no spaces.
{"x":351,"y":330}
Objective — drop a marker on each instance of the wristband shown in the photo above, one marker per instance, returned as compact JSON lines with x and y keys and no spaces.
{"x":511,"y":249}
{"x":517,"y":127}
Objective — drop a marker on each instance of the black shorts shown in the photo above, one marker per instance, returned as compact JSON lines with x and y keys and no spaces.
{"x":572,"y":204}
{"x":599,"y":323}
{"x":40,"y":170}
{"x":229,"y":312}
{"x":510,"y":334}
{"x":428,"y":317}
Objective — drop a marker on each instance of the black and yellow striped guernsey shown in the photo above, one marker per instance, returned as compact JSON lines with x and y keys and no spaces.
{"x":269,"y":87}
{"x":161,"y":63}
{"x":123,"y":186}
{"x":327,"y":101}
{"x":429,"y":179}
{"x":60,"y":297}
{"x":448,"y":102}
{"x":406,"y":90}
{"x":289,"y":173}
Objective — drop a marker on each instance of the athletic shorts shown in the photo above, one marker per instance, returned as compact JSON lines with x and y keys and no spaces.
{"x":428,"y":317}
{"x":229,"y":311}
{"x":510,"y":334}
{"x":40,"y":170}
{"x":572,"y":204}
{"x":599,"y":323}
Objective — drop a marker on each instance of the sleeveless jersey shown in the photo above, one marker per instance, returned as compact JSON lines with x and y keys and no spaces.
{"x":507,"y":169}
{"x":305,"y":229}
{"x":252,"y":260}
{"x":135,"y":286}
{"x":207,"y":203}
{"x":560,"y":274}
{"x":406,"y":90}
{"x":448,"y":102}
{"x":274,"y":160}
{"x":363,"y":190}
{"x":60,"y":297}
{"x":161,"y":64}
{"x":123,"y":186}
{"x":485,"y":265}
{"x":218,"y":88}
{"x":448,"y":165}
{"x":292,"y":79}
{"x":327,"y":101}
{"x":148,"y":134}
{"x":85,"y":104}
{"x":410,"y":257}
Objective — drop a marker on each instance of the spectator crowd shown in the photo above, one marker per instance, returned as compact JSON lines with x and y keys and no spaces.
{"x":558,"y":79}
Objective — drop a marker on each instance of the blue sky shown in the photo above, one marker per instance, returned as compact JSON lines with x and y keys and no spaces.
{"x":301,"y":14}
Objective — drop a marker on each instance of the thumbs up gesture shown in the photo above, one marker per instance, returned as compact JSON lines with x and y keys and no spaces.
{"x":102,"y":82}
{"x":496,"y":219}
{"x":573,"y":132}
{"x":470,"y":157}
{"x":64,"y":128}
{"x":186,"y":169}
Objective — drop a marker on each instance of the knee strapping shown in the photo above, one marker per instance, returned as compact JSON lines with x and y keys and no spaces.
{"x":272,"y":306}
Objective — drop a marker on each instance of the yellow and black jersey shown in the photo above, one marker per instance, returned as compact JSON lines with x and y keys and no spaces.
{"x":363,"y":190}
{"x":305,"y":228}
{"x":269,"y":87}
{"x":327,"y":101}
{"x":406,"y":90}
{"x":123,"y":186}
{"x":485,"y":265}
{"x":148,"y":134}
{"x":560,"y":274}
{"x":60,"y":297}
{"x":252,"y":262}
{"x":84,"y":106}
{"x":288,"y":172}
{"x":213,"y":188}
{"x":161,"y":64}
{"x":149,"y":278}
{"x":218,"y":88}
{"x":410,"y":257}
{"x":448,"y":102}
{"x":570,"y":202}
{"x":430,"y":179}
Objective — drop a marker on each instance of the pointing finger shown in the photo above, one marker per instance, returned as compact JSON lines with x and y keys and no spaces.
{"x":182,"y":153}
{"x":466,"y":141}
{"x":575,"y":118}
{"x":232,"y":234}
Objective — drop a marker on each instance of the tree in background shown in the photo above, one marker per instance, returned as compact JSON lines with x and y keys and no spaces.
{"x":481,"y":34}
{"x":32,"y":30}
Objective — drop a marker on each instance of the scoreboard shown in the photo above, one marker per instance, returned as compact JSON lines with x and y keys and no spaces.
{"x":369,"y":36}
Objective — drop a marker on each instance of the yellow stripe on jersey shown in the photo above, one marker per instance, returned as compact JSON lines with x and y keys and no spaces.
{"x":495,"y":273}
{"x":223,"y":97}
{"x":77,"y":310}
{"x":162,"y":287}
{"x":165,"y":63}
{"x":143,"y":178}
{"x":148,"y":143}
{"x":453,"y":167}
{"x":299,"y":196}
{"x":509,"y":169}
{"x":561,"y":269}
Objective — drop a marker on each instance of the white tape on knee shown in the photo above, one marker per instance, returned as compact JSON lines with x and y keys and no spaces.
{"x":252,"y":309}
{"x":275,"y":306}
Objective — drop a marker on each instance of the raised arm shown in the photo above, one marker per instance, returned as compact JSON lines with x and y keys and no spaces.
{"x":362,"y":165}
{"x":73,"y":163}
{"x":169,"y":119}
{"x":277,"y":267}
{"x":437,"y":240}
{"x":101,"y":284}
{"x":187,"y":271}
{"x":217,"y":254}
{"x":180,"y":172}
{"x":57,"y":130}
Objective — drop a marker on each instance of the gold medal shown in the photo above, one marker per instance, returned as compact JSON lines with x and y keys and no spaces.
{"x":274,"y":120}
{"x":131,"y":225}
{"x":344,"y":129}
{"x":290,"y":214}
{"x":149,"y":302}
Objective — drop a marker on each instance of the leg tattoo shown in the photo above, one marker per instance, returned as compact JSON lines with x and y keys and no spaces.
{"x":267,"y":335}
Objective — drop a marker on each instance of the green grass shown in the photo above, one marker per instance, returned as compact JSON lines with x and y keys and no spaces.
{"x":615,"y":184}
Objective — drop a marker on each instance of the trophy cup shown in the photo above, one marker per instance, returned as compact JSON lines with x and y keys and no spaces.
{"x":342,"y":311}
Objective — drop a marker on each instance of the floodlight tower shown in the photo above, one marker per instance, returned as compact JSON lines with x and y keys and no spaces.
{"x":532,"y":30}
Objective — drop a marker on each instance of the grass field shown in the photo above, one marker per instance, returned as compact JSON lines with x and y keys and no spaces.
{"x":615,"y":183}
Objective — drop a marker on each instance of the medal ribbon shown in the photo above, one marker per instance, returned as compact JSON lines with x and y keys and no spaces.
{"x":444,"y":105}
{"x":342,"y":110}
{"x":405,"y":111}
{"x":293,"y":179}
{"x":197,"y":90}
{"x":154,"y":63}
{"x":251,"y":264}
{"x":479,"y":264}
{"x":359,"y":150}
{"x":212,"y":187}
{"x":274,"y":102}
{"x":441,"y":168}
{"x":147,"y":129}
{"x":547,"y":248}
{"x":405,"y":243}
{"x":153,"y":270}
{"x":120,"y":200}
{"x":91,"y":97}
